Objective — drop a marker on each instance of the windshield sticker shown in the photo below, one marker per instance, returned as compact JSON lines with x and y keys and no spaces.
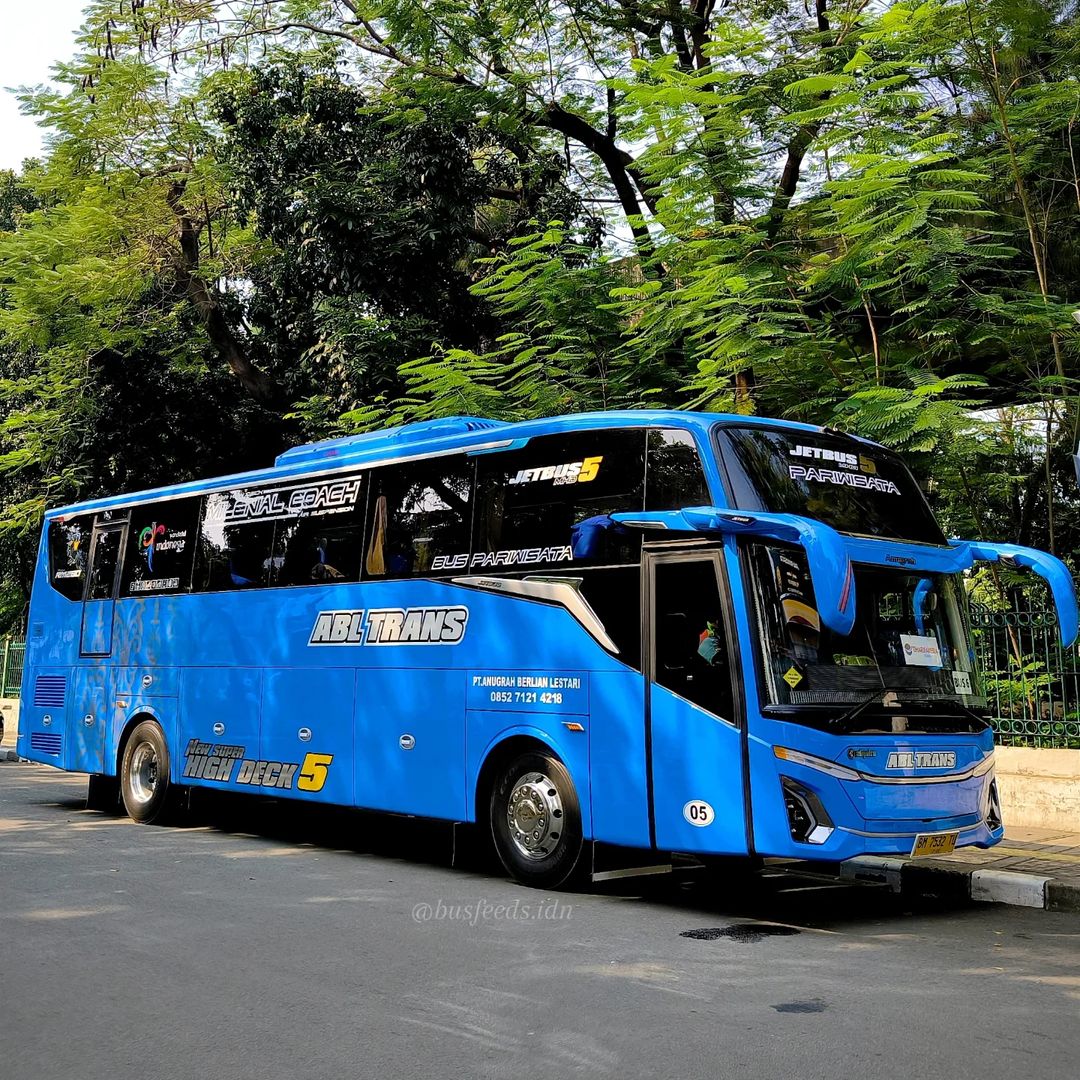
{"x":793,"y":676}
{"x":841,"y":468}
{"x":961,"y":681}
{"x":842,"y":479}
{"x":572,"y":472}
{"x":920,"y":650}
{"x":391,"y":626}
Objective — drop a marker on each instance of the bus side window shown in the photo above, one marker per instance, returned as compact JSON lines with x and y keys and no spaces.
{"x":674,"y":477}
{"x":160,"y":548}
{"x":232,"y":555}
{"x":103,"y":563}
{"x":551,"y":501}
{"x":321,"y":545}
{"x":614,"y":593}
{"x":419,"y":518}
{"x":69,"y":549}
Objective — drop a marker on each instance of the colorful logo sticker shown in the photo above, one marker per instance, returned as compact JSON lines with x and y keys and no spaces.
{"x":148,"y":541}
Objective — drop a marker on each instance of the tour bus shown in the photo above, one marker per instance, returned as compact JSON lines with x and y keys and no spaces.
{"x":648,"y":633}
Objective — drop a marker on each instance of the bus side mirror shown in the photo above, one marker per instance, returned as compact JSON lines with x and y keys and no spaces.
{"x":1049,"y":567}
{"x":826,"y":553}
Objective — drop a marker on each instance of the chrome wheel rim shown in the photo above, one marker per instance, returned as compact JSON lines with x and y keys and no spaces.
{"x":534,"y":815}
{"x":143,"y":772}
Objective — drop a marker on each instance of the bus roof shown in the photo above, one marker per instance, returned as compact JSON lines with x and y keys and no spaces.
{"x":424,"y":439}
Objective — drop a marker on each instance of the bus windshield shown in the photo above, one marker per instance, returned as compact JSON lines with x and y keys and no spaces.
{"x":853,"y":486}
{"x":909,"y":636}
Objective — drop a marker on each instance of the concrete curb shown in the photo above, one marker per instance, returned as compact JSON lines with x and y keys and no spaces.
{"x":984,"y":884}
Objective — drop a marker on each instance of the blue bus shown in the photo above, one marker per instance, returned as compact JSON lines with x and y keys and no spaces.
{"x":641,"y":632}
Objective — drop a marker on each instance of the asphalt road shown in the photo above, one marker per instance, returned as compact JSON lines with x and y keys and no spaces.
{"x":258,"y":942}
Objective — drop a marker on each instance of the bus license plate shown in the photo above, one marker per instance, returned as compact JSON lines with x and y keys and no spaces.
{"x":937,"y":843}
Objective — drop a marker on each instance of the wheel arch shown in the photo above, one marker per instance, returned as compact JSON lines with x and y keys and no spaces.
{"x":136,"y":717}
{"x":521,"y":740}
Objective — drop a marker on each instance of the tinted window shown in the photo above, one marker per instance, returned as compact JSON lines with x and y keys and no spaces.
{"x":551,"y":501}
{"x":419,"y":518}
{"x":160,"y":548}
{"x":614,"y":593}
{"x":103,"y":564}
{"x":235,"y":547}
{"x":69,"y":551}
{"x":843,"y":482}
{"x":674,"y":477}
{"x":322,"y":542}
{"x":692,"y":656}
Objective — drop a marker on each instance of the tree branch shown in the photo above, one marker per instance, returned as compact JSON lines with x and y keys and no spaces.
{"x":796,"y":151}
{"x":619,"y":164}
{"x":207,"y":309}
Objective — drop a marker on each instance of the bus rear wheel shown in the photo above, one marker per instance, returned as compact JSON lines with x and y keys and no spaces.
{"x":144,"y":775}
{"x":536,"y":820}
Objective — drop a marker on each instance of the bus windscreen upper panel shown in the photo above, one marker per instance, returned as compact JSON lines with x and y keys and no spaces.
{"x":855,"y":488}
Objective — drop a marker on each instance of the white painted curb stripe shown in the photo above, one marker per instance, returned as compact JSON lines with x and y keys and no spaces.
{"x":1008,"y":887}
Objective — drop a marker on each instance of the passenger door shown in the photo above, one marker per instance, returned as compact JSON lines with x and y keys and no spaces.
{"x":693,"y":704}
{"x":87,"y":715}
{"x":100,"y":596}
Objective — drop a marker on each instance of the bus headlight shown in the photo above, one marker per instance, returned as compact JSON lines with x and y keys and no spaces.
{"x":807,"y":818}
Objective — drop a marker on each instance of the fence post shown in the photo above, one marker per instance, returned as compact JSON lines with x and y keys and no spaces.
{"x":4,"y":669}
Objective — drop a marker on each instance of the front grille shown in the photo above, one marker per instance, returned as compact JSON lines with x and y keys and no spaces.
{"x":50,"y":691}
{"x":45,"y":742}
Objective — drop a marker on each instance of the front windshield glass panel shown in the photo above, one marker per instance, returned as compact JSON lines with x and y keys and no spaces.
{"x":910,"y":635}
{"x":841,"y":481}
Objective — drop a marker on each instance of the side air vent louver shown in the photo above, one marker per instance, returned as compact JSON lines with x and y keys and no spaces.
{"x":45,"y":742}
{"x":50,"y":691}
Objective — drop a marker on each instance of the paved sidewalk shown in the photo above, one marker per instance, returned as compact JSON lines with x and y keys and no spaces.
{"x":1029,"y":868}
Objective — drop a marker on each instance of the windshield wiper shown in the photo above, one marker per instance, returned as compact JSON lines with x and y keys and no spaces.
{"x":930,"y":706}
{"x":947,"y":706}
{"x":858,"y":709}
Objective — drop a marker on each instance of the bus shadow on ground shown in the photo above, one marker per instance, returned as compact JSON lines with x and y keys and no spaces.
{"x":811,"y":897}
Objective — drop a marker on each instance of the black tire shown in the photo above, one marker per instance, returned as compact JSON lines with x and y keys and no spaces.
{"x":535,"y":788}
{"x":144,"y":775}
{"x":103,"y":794}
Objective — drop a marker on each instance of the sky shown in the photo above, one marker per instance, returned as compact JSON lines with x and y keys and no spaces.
{"x":35,"y":36}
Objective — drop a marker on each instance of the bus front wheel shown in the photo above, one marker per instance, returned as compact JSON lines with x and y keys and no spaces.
{"x":536,"y":820}
{"x":144,"y":774}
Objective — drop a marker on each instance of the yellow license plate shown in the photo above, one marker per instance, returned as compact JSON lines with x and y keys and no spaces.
{"x":933,"y":843}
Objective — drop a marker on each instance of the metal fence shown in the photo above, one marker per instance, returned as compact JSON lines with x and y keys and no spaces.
{"x":1032,"y":684}
{"x":12,"y":651}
